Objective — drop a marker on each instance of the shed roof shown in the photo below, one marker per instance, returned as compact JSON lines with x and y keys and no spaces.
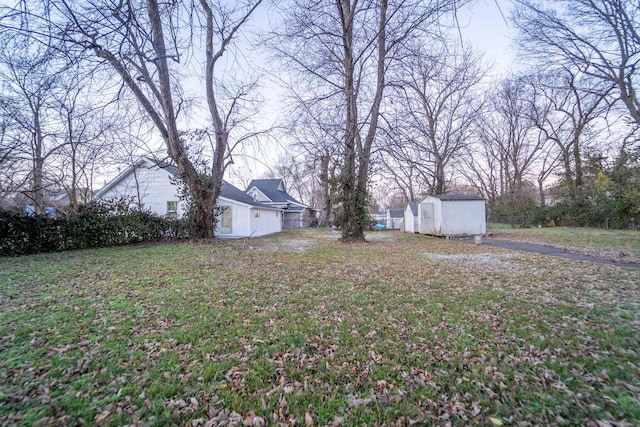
{"x":414,"y":208}
{"x":396,"y":213}
{"x":456,"y":197}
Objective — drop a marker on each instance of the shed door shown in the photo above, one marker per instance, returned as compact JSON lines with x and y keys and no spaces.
{"x":426,"y":217}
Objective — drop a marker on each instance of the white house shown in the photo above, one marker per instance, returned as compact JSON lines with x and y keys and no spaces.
{"x":411,"y":218}
{"x":272,"y":192}
{"x":451,"y":215}
{"x":394,"y":218}
{"x":150,"y":184}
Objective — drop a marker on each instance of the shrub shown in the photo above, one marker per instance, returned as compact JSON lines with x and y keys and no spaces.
{"x":95,"y":224}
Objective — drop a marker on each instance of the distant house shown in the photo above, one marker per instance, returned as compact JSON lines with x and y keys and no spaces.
{"x":272,"y":192}
{"x":150,"y":184}
{"x":451,"y":215}
{"x":55,"y":201}
{"x":411,"y":218}
{"x":394,"y":218}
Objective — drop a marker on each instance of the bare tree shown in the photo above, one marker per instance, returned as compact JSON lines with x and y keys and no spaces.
{"x":86,"y":131}
{"x":564,"y":108}
{"x":599,"y":38}
{"x":317,"y":136}
{"x":439,"y":96}
{"x":344,"y":49}
{"x":30,"y":74}
{"x":148,"y":44}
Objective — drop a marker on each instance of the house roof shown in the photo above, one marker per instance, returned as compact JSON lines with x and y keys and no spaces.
{"x":456,"y":197}
{"x":414,"y":208}
{"x":273,"y":189}
{"x":231,"y":192}
{"x":396,"y":213}
{"x":228,"y":191}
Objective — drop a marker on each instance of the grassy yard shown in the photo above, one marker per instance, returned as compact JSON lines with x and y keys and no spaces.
{"x":615,"y":245}
{"x":300,"y":329}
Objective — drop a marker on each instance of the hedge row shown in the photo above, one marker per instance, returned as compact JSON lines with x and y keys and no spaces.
{"x":94,"y":225}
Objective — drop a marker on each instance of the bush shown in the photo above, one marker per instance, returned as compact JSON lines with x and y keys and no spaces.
{"x":96,"y":224}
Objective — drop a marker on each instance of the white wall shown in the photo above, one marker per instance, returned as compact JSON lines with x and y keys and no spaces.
{"x":393,"y":223}
{"x":267,"y":222}
{"x":246,"y":224}
{"x":463,"y":217}
{"x":154,"y":187}
{"x":453,"y":217}
{"x":410,"y":222}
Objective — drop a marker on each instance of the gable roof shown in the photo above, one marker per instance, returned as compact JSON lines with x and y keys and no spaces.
{"x":128,"y":170}
{"x":414,"y":208}
{"x":227,"y":190}
{"x":274,"y":190}
{"x":231,"y":192}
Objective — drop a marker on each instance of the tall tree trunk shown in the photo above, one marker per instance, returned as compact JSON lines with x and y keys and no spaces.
{"x":200,"y":189}
{"x":354,"y":182}
{"x":38,"y":165}
{"x":324,"y":183}
{"x":352,"y":230}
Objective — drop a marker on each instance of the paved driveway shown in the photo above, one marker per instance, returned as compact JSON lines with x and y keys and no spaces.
{"x":553,"y":251}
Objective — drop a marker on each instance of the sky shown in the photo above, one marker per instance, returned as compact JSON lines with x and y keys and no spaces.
{"x":483,"y":25}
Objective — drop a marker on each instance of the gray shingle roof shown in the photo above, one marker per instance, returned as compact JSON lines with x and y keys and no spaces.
{"x":269,"y":187}
{"x":396,"y":213}
{"x":228,"y":191}
{"x":456,"y":197}
{"x":414,"y":208}
{"x":234,"y":193}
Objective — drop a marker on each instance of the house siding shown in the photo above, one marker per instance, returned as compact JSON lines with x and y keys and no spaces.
{"x":154,"y":186}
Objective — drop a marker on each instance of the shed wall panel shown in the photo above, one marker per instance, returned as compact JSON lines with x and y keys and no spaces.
{"x":463,"y":218}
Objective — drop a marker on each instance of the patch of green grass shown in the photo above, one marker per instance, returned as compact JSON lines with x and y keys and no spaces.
{"x":303,"y":327}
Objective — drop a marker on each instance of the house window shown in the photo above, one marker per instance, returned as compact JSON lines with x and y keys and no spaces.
{"x":226,"y":216}
{"x":226,"y":220}
{"x":172,"y":209}
{"x":257,"y":213}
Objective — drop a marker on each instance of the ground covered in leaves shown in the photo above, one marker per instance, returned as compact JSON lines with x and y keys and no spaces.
{"x":300,"y":329}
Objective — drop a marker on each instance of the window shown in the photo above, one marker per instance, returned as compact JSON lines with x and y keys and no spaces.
{"x":226,"y":219}
{"x":172,"y":209}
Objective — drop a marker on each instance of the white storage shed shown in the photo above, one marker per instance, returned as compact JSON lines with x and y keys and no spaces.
{"x":394,"y":218}
{"x":452,"y":215}
{"x":411,"y":218}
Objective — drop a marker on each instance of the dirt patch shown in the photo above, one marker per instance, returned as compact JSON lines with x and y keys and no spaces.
{"x":381,"y":237}
{"x":487,"y":260}
{"x":288,"y":245}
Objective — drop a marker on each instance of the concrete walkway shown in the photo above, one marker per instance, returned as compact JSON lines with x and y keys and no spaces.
{"x":553,"y":251}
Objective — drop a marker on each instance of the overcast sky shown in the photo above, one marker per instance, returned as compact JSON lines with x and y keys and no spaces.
{"x":483,"y":26}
